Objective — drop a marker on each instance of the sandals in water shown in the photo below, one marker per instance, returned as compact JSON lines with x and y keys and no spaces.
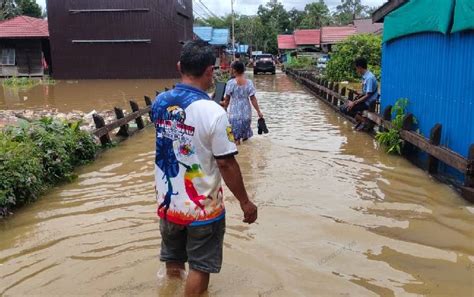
{"x":262,"y":126}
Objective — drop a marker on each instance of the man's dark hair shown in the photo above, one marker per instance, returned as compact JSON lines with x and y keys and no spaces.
{"x":361,"y":62}
{"x":237,"y":55}
{"x":196,"y":57}
{"x":238,"y":67}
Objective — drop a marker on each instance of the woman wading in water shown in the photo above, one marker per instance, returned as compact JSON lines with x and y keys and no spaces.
{"x":239,"y":93}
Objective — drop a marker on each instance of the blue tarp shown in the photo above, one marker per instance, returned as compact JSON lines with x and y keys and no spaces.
{"x":212,"y":35}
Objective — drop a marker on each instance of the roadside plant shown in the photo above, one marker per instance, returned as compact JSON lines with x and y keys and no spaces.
{"x":301,"y":63}
{"x":391,"y":139}
{"x":37,"y":155}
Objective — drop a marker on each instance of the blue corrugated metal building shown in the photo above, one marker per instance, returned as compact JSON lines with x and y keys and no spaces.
{"x":433,"y":68}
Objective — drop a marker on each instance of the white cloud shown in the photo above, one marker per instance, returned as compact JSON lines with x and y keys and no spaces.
{"x":222,"y":7}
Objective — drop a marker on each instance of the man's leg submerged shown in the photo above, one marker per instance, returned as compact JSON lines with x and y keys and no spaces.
{"x":175,"y":269}
{"x":197,"y":283}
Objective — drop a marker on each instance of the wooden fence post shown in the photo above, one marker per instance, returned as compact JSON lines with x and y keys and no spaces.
{"x":99,"y":123}
{"x":148,"y":102}
{"x":435,"y":139}
{"x":331,"y":87}
{"x":335,"y":100}
{"x":408,"y":149}
{"x":326,"y":85}
{"x":468,"y":190}
{"x":387,"y":116}
{"x":139,"y":120}
{"x":351,"y":95}
{"x":123,"y":129}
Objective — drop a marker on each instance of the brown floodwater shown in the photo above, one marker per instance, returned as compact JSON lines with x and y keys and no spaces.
{"x":337,"y":216}
{"x":82,"y":95}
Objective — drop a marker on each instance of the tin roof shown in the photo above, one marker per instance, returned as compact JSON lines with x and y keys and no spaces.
{"x":286,"y":42}
{"x":24,"y":27}
{"x":212,"y":35}
{"x":366,"y":26}
{"x":332,"y":35}
{"x":307,"y":37}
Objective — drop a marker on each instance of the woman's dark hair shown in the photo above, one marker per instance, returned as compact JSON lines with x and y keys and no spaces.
{"x":361,"y":62}
{"x":238,"y":67}
{"x":196,"y":57}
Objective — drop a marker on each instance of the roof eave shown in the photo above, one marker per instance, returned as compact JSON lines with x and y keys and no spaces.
{"x":379,"y":15}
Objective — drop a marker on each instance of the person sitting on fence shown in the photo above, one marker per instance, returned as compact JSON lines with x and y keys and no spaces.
{"x":368,"y":98}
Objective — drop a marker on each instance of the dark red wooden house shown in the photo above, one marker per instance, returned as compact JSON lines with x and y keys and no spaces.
{"x":111,"y":39}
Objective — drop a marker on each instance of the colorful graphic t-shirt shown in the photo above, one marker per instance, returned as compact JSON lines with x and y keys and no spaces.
{"x":191,"y":132}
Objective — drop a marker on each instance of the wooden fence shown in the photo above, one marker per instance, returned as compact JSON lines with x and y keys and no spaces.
{"x":334,"y":96}
{"x":104,"y":130}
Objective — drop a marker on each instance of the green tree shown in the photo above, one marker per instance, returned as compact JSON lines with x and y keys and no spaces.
{"x":341,"y":65}
{"x":348,"y":11}
{"x":316,"y":15}
{"x":296,"y":17}
{"x":8,"y":9}
{"x":30,"y":8}
{"x":274,"y":13}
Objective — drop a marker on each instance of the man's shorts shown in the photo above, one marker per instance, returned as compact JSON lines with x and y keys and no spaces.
{"x":201,"y":246}
{"x":358,"y":108}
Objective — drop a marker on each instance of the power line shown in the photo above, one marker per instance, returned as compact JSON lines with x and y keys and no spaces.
{"x":210,"y":11}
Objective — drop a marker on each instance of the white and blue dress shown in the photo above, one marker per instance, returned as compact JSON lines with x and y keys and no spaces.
{"x":240,"y":108}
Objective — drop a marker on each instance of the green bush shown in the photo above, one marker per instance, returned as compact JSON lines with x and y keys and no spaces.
{"x":37,"y":155}
{"x":21,"y":82}
{"x":300,"y":63}
{"x":391,"y":139}
{"x":341,"y":65}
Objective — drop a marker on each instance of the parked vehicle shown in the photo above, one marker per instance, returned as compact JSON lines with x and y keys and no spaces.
{"x":322,"y":62}
{"x":264,"y":63}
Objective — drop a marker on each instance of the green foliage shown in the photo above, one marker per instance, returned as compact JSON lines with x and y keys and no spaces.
{"x":349,"y":10}
{"x":341,"y":65}
{"x":21,"y":82}
{"x":316,"y":15}
{"x":30,"y":8}
{"x":36,"y":155}
{"x":12,"y":8}
{"x":301,"y":63}
{"x":221,"y":76}
{"x":391,"y":139}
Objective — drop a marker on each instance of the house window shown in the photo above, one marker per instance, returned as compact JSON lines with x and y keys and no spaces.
{"x":8,"y":56}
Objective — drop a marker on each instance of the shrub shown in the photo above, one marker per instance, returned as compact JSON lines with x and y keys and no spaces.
{"x":300,"y":63}
{"x":391,"y":139}
{"x":37,"y":155}
{"x":341,"y":65}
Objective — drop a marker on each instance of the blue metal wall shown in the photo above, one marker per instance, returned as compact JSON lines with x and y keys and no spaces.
{"x":436,"y":73}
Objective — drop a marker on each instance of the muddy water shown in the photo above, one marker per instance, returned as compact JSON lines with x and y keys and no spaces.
{"x":83,"y":95}
{"x":338,"y":217}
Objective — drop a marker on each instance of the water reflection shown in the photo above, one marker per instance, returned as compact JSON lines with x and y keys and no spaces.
{"x":83,"y":95}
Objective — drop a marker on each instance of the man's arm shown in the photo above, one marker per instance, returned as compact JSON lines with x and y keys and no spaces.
{"x":230,"y":171}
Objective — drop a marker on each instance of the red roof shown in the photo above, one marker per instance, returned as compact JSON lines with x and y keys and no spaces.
{"x":307,"y":37}
{"x":332,"y":35}
{"x":286,"y":42}
{"x":24,"y":26}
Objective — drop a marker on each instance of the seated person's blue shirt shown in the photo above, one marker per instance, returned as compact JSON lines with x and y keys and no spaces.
{"x":370,"y":85}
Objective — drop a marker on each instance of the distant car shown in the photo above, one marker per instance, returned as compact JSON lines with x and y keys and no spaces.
{"x":264,"y":63}
{"x":322,"y":62}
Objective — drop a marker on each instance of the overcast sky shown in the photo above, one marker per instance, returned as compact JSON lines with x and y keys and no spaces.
{"x":249,"y":7}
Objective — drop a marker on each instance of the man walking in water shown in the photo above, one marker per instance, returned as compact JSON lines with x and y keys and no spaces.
{"x":195,"y":149}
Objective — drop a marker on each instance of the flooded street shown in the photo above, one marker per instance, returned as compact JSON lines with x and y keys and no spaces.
{"x":84,"y":95}
{"x":337,"y":216}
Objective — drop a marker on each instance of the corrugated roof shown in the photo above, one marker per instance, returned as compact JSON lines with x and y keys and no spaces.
{"x":307,"y":37}
{"x":204,"y":33}
{"x":220,"y":37}
{"x":332,"y":35}
{"x":286,"y":42}
{"x":365,"y":26}
{"x":24,"y":27}
{"x":213,"y":36}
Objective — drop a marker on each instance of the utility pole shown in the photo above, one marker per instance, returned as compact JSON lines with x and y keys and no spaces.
{"x":233,"y":29}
